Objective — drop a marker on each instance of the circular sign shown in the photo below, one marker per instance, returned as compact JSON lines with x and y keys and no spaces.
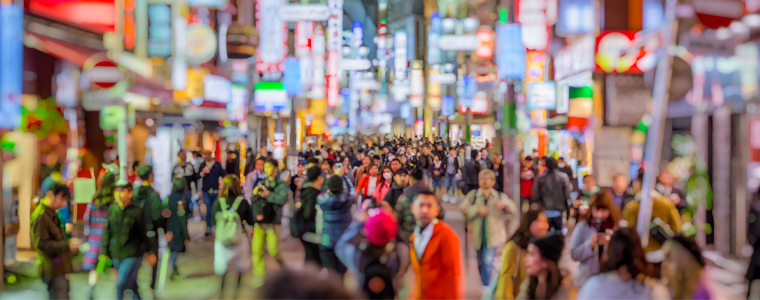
{"x":102,"y":72}
{"x":201,"y":43}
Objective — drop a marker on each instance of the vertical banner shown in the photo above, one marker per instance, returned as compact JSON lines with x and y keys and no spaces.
{"x":510,"y":54}
{"x":303,"y":42}
{"x":318,"y":63}
{"x":273,"y":41}
{"x":11,"y":64}
{"x":333,"y":46}
{"x":399,"y":53}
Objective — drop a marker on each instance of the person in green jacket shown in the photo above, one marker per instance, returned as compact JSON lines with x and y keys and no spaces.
{"x":306,"y":215}
{"x":269,"y":195}
{"x":149,"y":201}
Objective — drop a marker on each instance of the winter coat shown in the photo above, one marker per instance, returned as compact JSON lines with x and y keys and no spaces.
{"x":512,"y":257}
{"x":393,"y":194}
{"x":53,"y":254}
{"x":441,"y":170}
{"x":308,"y":210}
{"x":403,"y":208}
{"x":438,"y":274}
{"x":271,"y":207}
{"x":609,"y":285}
{"x":424,"y":161}
{"x":362,"y":187}
{"x":336,"y":216}
{"x":126,"y":233}
{"x":148,"y":200}
{"x":176,"y":223}
{"x":581,"y":251}
{"x":662,"y":208}
{"x":348,"y":251}
{"x":381,"y":190}
{"x":471,"y":171}
{"x":494,"y":222}
{"x":555,"y":181}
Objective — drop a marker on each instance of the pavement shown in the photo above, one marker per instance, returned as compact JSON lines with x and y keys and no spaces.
{"x":196,"y":278}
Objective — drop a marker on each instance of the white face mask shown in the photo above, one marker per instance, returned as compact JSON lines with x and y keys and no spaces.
{"x":561,"y":165}
{"x":387,"y":176}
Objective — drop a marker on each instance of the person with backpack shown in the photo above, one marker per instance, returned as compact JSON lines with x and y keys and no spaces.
{"x":149,"y":201}
{"x":269,"y":195}
{"x":363,"y":249}
{"x":486,"y":208}
{"x":176,"y":222}
{"x":303,"y":223}
{"x":231,"y":248}
{"x":552,"y":190}
{"x":336,"y":217}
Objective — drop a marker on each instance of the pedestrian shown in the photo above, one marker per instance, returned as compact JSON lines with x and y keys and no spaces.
{"x":435,"y":255}
{"x":95,"y":216}
{"x":591,"y":235}
{"x":231,"y":247}
{"x":452,"y":169}
{"x":753,"y":232}
{"x":252,"y":178}
{"x":359,"y":159}
{"x":565,"y":168}
{"x":684,"y":270}
{"x":395,"y":164}
{"x":663,"y":211}
{"x":303,"y":223}
{"x":589,"y":191}
{"x":190,"y":175}
{"x":486,"y":209}
{"x":498,"y":169}
{"x":437,"y":169}
{"x":534,"y":225}
{"x":665,"y":186}
{"x":125,"y":240}
{"x":297,"y":177}
{"x":367,"y":185}
{"x":471,"y":170}
{"x":363,"y":169}
{"x":624,"y":273}
{"x":54,"y":251}
{"x":267,"y":200}
{"x":551,"y":191}
{"x":424,"y":160}
{"x":545,"y":281}
{"x":619,"y":192}
{"x":383,"y":185}
{"x":176,"y":222}
{"x":485,"y":164}
{"x":343,"y":172}
{"x":210,"y":171}
{"x":400,"y":181}
{"x":527,"y":176}
{"x":149,"y":201}
{"x":364,"y":249}
{"x":336,"y":217}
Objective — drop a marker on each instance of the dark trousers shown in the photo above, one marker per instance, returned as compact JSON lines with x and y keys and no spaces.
{"x":471,"y":187}
{"x":312,"y":252}
{"x":58,"y":287}
{"x":331,"y":261}
{"x":555,"y":223}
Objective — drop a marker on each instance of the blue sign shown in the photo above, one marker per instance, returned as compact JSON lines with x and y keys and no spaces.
{"x":447,"y":107}
{"x":11,"y":64}
{"x":510,"y":54}
{"x":292,"y":76}
{"x":576,"y":17}
{"x":467,"y":89}
{"x":159,"y":31}
{"x":345,"y":97}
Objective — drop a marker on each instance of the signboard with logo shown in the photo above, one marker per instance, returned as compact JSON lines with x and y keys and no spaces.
{"x":447,"y":107}
{"x":417,"y":85}
{"x":575,"y":58}
{"x":292,"y":76}
{"x":533,"y":15}
{"x":612,"y":55}
{"x":399,"y":53}
{"x":201,"y":43}
{"x":479,"y":104}
{"x":485,"y":48}
{"x":159,"y":30}
{"x":304,"y":12}
{"x":510,"y":57}
{"x":269,"y":96}
{"x":542,"y":95}
{"x":237,"y":108}
{"x":273,"y":41}
{"x":216,"y":88}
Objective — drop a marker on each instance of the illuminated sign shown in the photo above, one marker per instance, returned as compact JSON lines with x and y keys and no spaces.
{"x":534,"y":17}
{"x":358,"y":36}
{"x":458,"y":42}
{"x":273,"y":41}
{"x":538,"y":118}
{"x":201,"y":43}
{"x":67,"y":87}
{"x":365,"y":84}
{"x":318,"y":63}
{"x":237,"y":108}
{"x":270,"y":96}
{"x":159,"y":30}
{"x":510,"y":57}
{"x":130,"y":32}
{"x":447,"y":107}
{"x":179,"y":64}
{"x":195,"y":87}
{"x":445,"y":78}
{"x":466,"y":89}
{"x":399,"y":52}
{"x":292,"y":76}
{"x":575,"y":58}
{"x":348,"y":64}
{"x":479,"y":104}
{"x":417,"y":85}
{"x":304,"y":12}
{"x":302,"y":40}
{"x":485,"y":48}
{"x":434,"y":93}
{"x":535,"y":67}
{"x":101,"y":72}
{"x":333,"y":83}
{"x":542,"y":95}
{"x":576,"y":17}
{"x":220,"y":4}
{"x":333,"y":46}
{"x":434,"y":52}
{"x":11,"y":64}
{"x":216,"y":88}
{"x":614,"y":56}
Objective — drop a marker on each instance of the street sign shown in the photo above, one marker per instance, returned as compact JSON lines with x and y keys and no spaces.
{"x":102,"y":72}
{"x":304,"y":12}
{"x":459,"y":42}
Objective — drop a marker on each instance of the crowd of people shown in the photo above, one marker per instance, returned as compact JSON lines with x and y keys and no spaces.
{"x":375,"y":207}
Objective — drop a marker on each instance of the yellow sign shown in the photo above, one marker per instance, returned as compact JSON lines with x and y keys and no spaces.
{"x":195,"y":83}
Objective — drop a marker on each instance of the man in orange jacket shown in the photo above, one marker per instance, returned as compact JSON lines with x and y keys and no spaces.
{"x":435,"y":255}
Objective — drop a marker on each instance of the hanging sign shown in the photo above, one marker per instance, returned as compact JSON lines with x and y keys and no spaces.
{"x":270,"y":96}
{"x":417,"y":85}
{"x":452,"y":42}
{"x":273,"y":41}
{"x":102,"y":72}
{"x":575,"y":58}
{"x":399,"y":52}
{"x":510,"y":57}
{"x":292,"y":76}
{"x":614,"y":56}
{"x":533,"y":15}
{"x":447,"y":107}
{"x":479,"y":104}
{"x":576,"y":17}
{"x":216,"y":88}
{"x":159,"y":30}
{"x":485,"y":39}
{"x":237,"y":108}
{"x":542,"y":95}
{"x":201,"y":43}
{"x":304,"y":12}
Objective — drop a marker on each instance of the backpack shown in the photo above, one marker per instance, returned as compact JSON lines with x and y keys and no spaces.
{"x":228,"y":223}
{"x":380,"y":278}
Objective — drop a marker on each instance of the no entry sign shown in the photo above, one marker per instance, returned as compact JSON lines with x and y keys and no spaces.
{"x":102,"y":72}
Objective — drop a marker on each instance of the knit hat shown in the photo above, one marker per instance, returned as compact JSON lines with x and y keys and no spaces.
{"x":144,"y":172}
{"x":550,"y":246}
{"x":380,"y":228}
{"x":335,"y":184}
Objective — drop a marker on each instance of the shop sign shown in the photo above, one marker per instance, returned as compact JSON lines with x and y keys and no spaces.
{"x":269,"y":96}
{"x":405,"y":111}
{"x":534,"y":17}
{"x":292,"y":76}
{"x":576,"y":17}
{"x":466,"y":90}
{"x":159,"y":31}
{"x":434,"y":52}
{"x":399,"y":53}
{"x":542,"y":95}
{"x":160,"y":149}
{"x":447,"y":107}
{"x":201,"y":43}
{"x":216,"y":88}
{"x":364,"y":84}
{"x":614,"y":56}
{"x":534,"y":71}
{"x":318,"y":63}
{"x":417,"y":87}
{"x":304,"y":12}
{"x":445,"y":78}
{"x":627,"y":99}
{"x":479,"y":104}
{"x":335,"y":24}
{"x":707,"y":45}
{"x":273,"y":41}
{"x":451,"y":42}
{"x":538,"y":118}
{"x":612,"y":153}
{"x":485,"y":48}
{"x":510,"y":57}
{"x":179,"y":62}
{"x":575,"y":58}
{"x":333,"y":47}
{"x":715,"y":14}
{"x":581,"y":102}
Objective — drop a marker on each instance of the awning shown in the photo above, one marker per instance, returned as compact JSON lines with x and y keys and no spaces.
{"x":58,"y":49}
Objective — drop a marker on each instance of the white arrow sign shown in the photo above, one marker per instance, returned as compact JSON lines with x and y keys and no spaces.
{"x":446,"y":78}
{"x":304,"y":12}
{"x":458,"y":42}
{"x":348,"y":64}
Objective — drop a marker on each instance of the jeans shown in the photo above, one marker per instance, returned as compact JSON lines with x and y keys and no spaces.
{"x":450,"y":182}
{"x":127,"y":277}
{"x":208,"y":199}
{"x":437,"y":183}
{"x":58,"y":287}
{"x":173,"y":259}
{"x":485,"y":258}
{"x":190,"y":203}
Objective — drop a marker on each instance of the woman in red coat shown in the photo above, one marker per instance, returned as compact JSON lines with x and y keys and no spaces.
{"x":367,"y":185}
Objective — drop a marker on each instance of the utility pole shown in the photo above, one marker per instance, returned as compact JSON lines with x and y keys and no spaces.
{"x":656,"y":130}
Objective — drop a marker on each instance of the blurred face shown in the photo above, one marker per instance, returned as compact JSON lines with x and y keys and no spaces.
{"x":395,"y":166}
{"x":206,"y":156}
{"x":461,"y":151}
{"x":299,"y":169}
{"x":484,"y":153}
{"x":125,"y":195}
{"x":540,"y":226}
{"x":402,"y":179}
{"x":259,"y":165}
{"x":590,"y":183}
{"x":436,"y":158}
{"x":453,"y":152}
{"x":666,"y":178}
{"x":373,"y":171}
{"x":486,"y":181}
{"x":425,"y":209}
{"x":377,"y":161}
{"x":601,"y":214}
{"x":326,"y":167}
{"x":636,"y":185}
{"x":440,"y":147}
{"x":366,"y":161}
{"x":385,"y":150}
{"x":620,"y":184}
{"x":263,"y":150}
{"x":57,"y":201}
{"x":270,"y":170}
{"x":425,"y":150}
{"x":534,"y":262}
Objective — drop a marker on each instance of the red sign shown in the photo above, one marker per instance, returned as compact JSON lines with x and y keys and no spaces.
{"x":534,"y":17}
{"x":102,"y":72}
{"x":614,"y":53}
{"x":715,"y":14}
{"x":485,"y":49}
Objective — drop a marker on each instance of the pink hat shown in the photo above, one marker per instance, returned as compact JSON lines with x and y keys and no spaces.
{"x":380,"y":228}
